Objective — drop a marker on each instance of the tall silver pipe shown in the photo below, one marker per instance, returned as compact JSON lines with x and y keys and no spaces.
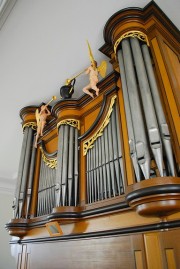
{"x":97,"y":169}
{"x":111,"y":156}
{"x":47,"y":205}
{"x":90,"y":176}
{"x":149,"y":112}
{"x":65,"y":165}
{"x":100,"y":168}
{"x":31,"y":177}
{"x":94,"y":173}
{"x":20,"y":172}
{"x":70,"y":164}
{"x":142,"y":151}
{"x":87,"y":178}
{"x":25,"y":175}
{"x":39,"y":207}
{"x":122,"y":178}
{"x":164,"y":130}
{"x":115,"y":152}
{"x":59,"y":164}
{"x":76,"y":175}
{"x":107,"y":165}
{"x":104,"y":167}
{"x":129,"y":117}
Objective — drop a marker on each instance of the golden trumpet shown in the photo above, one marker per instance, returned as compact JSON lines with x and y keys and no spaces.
{"x":68,"y":81}
{"x":53,"y":98}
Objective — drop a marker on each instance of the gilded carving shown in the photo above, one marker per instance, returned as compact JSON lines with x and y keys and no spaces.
{"x":31,"y":124}
{"x":136,"y":34}
{"x":50,"y":162}
{"x":88,"y":144}
{"x":72,"y":122}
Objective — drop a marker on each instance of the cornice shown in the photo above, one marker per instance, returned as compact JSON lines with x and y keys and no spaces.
{"x":115,"y":232}
{"x":140,"y":16}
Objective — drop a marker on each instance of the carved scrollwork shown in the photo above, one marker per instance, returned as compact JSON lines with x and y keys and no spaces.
{"x":72,"y":122}
{"x":137,"y":34}
{"x":88,"y":144}
{"x":50,"y":162}
{"x":31,"y":124}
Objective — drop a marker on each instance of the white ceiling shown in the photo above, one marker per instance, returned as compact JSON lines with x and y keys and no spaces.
{"x":42,"y":43}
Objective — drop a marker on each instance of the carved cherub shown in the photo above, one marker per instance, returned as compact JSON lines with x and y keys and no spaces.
{"x":93,"y":70}
{"x":41,"y":117}
{"x":93,"y":78}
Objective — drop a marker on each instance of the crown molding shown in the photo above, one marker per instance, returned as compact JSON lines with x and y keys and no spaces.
{"x":5,"y":8}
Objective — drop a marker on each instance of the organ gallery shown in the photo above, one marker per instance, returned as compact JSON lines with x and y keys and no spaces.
{"x":101,"y":187}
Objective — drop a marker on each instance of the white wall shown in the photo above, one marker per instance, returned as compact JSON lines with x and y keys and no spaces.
{"x":6,"y":260}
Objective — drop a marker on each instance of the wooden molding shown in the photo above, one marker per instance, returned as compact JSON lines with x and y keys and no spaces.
{"x":155,"y":197}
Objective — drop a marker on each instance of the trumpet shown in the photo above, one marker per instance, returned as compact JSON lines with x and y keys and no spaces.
{"x":68,"y":81}
{"x":53,"y":98}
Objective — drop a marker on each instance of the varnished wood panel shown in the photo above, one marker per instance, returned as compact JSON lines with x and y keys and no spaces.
{"x":99,"y":253}
{"x":138,"y":259}
{"x":173,"y":66}
{"x":153,"y":252}
{"x":168,"y":94}
{"x":170,"y":259}
{"x":170,"y":245}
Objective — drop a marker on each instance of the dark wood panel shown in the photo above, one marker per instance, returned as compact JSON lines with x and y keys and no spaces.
{"x":114,"y":252}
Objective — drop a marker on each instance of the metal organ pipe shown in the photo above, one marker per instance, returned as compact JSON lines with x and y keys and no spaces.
{"x":134,"y":59}
{"x":31,"y":176}
{"x":149,"y":112}
{"x":128,"y":117}
{"x":16,"y":204}
{"x":25,"y":174}
{"x":67,"y":166}
{"x":76,"y":174}
{"x":46,"y":191}
{"x":59,"y":165}
{"x":104,"y":160}
{"x":164,"y":130}
{"x":141,"y":142}
{"x":70,"y":165}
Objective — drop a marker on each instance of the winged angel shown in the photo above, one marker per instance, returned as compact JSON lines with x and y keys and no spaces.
{"x":93,"y":71}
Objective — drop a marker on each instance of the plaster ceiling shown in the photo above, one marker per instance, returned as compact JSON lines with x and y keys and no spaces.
{"x":42,"y":43}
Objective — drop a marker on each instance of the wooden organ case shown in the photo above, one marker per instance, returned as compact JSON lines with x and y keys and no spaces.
{"x":102,"y":189}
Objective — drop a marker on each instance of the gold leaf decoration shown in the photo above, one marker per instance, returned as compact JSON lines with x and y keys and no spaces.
{"x":72,"y":122}
{"x":88,"y":144}
{"x":31,"y":124}
{"x":136,"y":34}
{"x":50,"y":162}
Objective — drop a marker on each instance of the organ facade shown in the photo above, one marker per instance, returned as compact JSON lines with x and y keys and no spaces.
{"x":102,"y":189}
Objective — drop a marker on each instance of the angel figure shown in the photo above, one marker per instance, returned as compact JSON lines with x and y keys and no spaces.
{"x":93,"y":71}
{"x":93,"y":78}
{"x":41,"y":118}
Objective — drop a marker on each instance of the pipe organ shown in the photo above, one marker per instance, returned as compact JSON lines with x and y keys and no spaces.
{"x":134,"y":58}
{"x":104,"y":172}
{"x":107,"y":169}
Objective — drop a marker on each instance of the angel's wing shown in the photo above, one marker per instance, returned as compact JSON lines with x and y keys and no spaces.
{"x":37,"y":116}
{"x":91,"y":55}
{"x":102,"y":68}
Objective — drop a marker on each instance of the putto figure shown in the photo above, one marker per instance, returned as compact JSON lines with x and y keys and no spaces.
{"x":93,"y":78}
{"x":93,"y":71}
{"x":41,"y":118}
